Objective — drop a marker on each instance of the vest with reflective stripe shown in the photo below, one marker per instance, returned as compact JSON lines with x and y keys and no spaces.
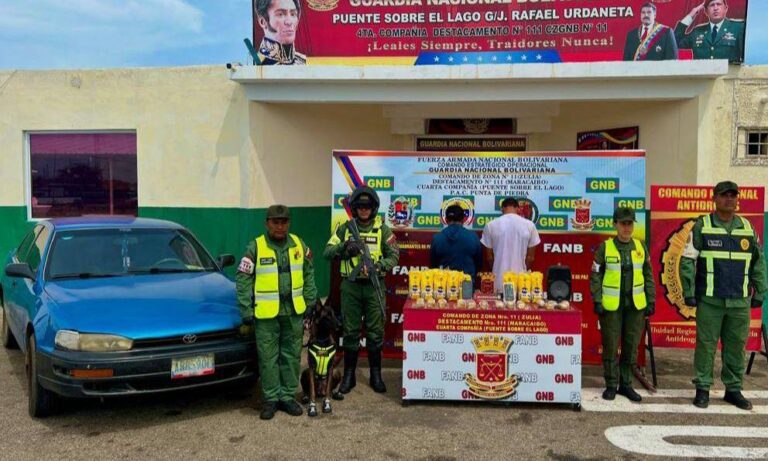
{"x":322,"y":357}
{"x":372,"y":239}
{"x":266,"y":289}
{"x":722,"y":269}
{"x":612,"y":277}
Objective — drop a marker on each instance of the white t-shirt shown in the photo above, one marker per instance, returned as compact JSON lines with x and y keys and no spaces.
{"x":509,"y":236}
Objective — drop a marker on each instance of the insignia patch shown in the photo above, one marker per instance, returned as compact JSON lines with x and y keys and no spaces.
{"x":744,"y":244}
{"x":246,"y":266}
{"x":373,"y":240}
{"x":308,"y":254}
{"x":595,"y":267}
{"x":715,"y":243}
{"x":612,"y":259}
{"x":392,"y":240}
{"x":266,"y":261}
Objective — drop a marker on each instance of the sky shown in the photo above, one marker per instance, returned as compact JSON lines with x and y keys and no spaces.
{"x":71,"y":34}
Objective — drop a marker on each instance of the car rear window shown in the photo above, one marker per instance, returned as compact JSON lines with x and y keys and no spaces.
{"x":118,"y":252}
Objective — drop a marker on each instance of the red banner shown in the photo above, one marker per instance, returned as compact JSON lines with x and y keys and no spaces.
{"x":673,"y":212}
{"x":454,"y":32}
{"x":569,"y":248}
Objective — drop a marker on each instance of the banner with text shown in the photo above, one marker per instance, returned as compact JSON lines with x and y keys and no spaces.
{"x":570,"y":196}
{"x":455,"y":32}
{"x":674,"y":210}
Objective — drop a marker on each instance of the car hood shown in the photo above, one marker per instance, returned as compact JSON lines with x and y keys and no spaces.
{"x":145,"y":306}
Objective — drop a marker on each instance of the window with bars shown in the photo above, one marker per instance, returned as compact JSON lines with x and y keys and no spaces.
{"x":757,"y":143}
{"x":752,"y":147}
{"x":76,"y":174}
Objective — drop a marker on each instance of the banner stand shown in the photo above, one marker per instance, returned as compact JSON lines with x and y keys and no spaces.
{"x":763,"y":352}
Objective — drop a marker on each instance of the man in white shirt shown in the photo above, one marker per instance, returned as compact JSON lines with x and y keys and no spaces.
{"x":510,"y":241}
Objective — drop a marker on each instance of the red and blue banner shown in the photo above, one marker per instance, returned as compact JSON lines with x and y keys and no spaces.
{"x":456,"y":32}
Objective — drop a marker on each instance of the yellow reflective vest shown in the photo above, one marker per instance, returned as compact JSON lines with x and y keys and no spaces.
{"x":612,"y":277}
{"x":266,"y":288}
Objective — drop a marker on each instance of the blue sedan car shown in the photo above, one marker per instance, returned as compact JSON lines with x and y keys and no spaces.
{"x":121,"y":306}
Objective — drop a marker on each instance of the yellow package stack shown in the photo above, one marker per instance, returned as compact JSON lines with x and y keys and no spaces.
{"x":427,"y":285}
{"x":414,"y":284}
{"x":524,"y":288}
{"x":454,"y":285}
{"x":509,"y":287}
{"x":439,"y":282}
{"x":537,"y":286}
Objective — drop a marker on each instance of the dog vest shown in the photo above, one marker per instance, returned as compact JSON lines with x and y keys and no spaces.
{"x":322,"y":357}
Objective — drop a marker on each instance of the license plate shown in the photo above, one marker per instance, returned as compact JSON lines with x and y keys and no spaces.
{"x":199,"y":365}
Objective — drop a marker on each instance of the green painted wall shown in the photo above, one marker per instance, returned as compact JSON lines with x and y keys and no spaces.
{"x":228,"y":230}
{"x":13,"y":226}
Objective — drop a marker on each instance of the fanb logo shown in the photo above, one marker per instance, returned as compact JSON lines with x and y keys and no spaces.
{"x":493,"y":380}
{"x":400,"y":212}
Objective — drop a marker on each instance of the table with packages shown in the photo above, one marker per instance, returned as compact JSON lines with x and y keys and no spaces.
{"x":500,"y":355}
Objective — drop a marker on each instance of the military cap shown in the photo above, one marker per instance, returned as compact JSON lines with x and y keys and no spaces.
{"x":624,"y":213}
{"x":726,"y":186}
{"x":278,"y":211}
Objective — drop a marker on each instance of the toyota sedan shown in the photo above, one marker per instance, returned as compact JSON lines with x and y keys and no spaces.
{"x":106,"y":307}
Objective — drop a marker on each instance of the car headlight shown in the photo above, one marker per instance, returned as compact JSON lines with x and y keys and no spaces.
{"x":91,"y":342}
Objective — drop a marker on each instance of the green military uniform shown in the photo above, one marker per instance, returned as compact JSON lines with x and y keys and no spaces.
{"x":278,"y":339}
{"x":723,"y":298}
{"x":626,"y":322}
{"x":358,"y":299}
{"x":728,"y":42}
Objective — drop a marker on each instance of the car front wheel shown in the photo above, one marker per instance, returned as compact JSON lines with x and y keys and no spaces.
{"x":9,"y":342}
{"x":42,"y":402}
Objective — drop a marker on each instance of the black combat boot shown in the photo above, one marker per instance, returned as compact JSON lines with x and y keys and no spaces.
{"x":702,"y":398}
{"x":629,"y":393}
{"x":350,"y":364}
{"x":374,"y":360}
{"x":737,"y":399}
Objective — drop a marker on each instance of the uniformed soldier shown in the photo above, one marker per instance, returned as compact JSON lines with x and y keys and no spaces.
{"x":358,"y":299}
{"x":723,"y":273}
{"x":624,"y":293}
{"x":719,"y":38}
{"x":276,"y":285}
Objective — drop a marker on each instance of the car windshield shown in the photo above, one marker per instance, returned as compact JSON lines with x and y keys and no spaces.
{"x":118,"y":252}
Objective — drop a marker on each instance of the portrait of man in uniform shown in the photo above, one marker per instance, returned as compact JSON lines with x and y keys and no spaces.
{"x":651,"y":41}
{"x":718,"y":38}
{"x":279,"y":19}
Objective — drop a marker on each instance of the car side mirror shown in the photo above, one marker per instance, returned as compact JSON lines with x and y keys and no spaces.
{"x":226,"y":260}
{"x":19,"y":270}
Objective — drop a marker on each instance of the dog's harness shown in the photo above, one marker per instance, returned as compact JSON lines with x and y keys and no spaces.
{"x":323,"y":357}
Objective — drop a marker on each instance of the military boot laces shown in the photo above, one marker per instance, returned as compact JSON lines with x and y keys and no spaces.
{"x":737,"y":399}
{"x":702,"y":398}
{"x":348,"y":381}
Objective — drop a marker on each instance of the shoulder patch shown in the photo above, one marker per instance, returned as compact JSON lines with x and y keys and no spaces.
{"x":308,"y":253}
{"x":246,"y":266}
